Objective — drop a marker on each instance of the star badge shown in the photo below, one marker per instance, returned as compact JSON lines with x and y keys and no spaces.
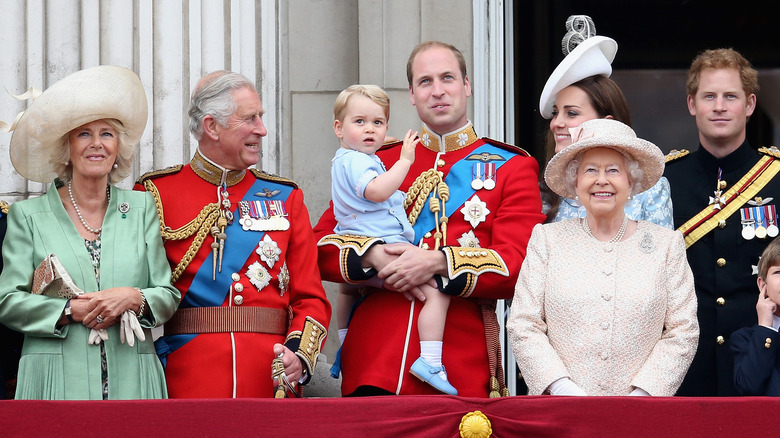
{"x":475,"y":211}
{"x":258,"y":275}
{"x":717,"y":201}
{"x":284,"y":279}
{"x":268,"y":251}
{"x":469,"y":240}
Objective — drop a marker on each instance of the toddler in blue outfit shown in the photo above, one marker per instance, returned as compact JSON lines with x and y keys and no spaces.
{"x":367,"y":202}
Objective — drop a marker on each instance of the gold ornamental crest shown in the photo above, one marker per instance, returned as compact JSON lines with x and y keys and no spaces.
{"x":475,"y":425}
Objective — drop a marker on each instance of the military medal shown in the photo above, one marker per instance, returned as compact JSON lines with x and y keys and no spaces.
{"x":268,"y":251}
{"x":258,"y":276}
{"x":771,"y":217}
{"x":717,"y":201}
{"x":477,"y":174}
{"x":475,"y":211}
{"x":484,"y":170}
{"x":758,"y":214}
{"x":490,"y":176}
{"x":748,"y":223}
{"x":263,"y":216}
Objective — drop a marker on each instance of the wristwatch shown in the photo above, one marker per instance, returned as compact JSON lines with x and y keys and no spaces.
{"x":68,"y":311}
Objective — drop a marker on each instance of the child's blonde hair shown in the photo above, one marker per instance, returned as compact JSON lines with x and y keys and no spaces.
{"x":376,"y":94}
{"x":770,"y":257}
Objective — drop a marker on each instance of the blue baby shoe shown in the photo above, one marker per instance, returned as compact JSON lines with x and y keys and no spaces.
{"x":430,"y":375}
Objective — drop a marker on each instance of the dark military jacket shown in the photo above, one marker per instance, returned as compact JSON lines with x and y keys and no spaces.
{"x":723,"y":262}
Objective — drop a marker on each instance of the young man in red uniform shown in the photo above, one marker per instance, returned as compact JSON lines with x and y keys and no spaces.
{"x":471,"y":240}
{"x":243,"y":254}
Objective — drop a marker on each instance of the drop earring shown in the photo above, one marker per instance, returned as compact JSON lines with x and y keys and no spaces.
{"x":116,"y":166}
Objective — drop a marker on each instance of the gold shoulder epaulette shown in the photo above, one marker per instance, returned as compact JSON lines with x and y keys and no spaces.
{"x":675,"y":154}
{"x":275,"y":178}
{"x":772,"y":151}
{"x":507,"y":146}
{"x":4,"y":207}
{"x":158,"y":173}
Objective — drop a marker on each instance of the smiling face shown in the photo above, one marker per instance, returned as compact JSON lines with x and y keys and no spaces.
{"x":237,"y":145}
{"x":572,"y":107}
{"x":93,"y":149}
{"x":439,"y":90}
{"x":721,"y":108}
{"x":603,"y":183}
{"x":363,"y":127}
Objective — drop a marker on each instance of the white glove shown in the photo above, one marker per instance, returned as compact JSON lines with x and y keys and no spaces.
{"x":639,"y":392}
{"x":129,"y":325}
{"x":97,"y":336}
{"x":565,"y":386}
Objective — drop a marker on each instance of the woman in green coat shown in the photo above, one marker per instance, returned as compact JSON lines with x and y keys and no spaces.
{"x":81,"y":133}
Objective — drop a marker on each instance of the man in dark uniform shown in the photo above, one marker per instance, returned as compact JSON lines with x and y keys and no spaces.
{"x":724,"y":197}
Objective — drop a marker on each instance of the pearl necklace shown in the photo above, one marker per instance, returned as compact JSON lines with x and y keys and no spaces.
{"x":616,"y":238}
{"x":78,"y":211}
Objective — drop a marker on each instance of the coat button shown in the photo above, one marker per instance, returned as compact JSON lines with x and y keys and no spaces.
{"x":721,"y":262}
{"x":721,"y":301}
{"x":720,"y":340}
{"x":235,"y":277}
{"x":721,"y":224}
{"x":440,"y":163}
{"x":238,"y":287}
{"x":238,"y":299}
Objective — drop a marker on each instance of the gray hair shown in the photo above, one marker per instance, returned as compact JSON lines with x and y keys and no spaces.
{"x":635,"y":172}
{"x":60,"y":157}
{"x":213,"y":96}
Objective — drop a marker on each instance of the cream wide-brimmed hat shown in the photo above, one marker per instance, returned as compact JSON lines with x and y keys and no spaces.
{"x":591,"y":57}
{"x":102,"y":92}
{"x":605,"y":133}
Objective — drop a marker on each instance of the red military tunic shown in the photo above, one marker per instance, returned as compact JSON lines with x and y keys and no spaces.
{"x":285,"y":277}
{"x":383,"y":341}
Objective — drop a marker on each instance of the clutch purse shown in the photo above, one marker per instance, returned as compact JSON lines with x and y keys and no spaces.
{"x":51,"y":279}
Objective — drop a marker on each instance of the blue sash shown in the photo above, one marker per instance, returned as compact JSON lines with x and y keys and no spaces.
{"x":459,"y":181}
{"x":205,"y":292}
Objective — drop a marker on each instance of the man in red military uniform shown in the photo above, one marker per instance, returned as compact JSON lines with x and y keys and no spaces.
{"x":471,"y":239}
{"x":243,"y":254}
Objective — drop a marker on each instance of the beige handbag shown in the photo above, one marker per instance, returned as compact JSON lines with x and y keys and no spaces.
{"x":51,"y":279}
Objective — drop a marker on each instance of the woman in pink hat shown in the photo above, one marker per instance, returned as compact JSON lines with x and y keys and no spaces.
{"x":604,"y":305}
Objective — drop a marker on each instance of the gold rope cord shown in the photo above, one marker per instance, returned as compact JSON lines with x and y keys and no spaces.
{"x":201,"y":225}
{"x":430,"y":181}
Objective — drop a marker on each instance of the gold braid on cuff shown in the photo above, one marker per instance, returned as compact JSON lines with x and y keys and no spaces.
{"x":311,"y":339}
{"x":473,"y":261}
